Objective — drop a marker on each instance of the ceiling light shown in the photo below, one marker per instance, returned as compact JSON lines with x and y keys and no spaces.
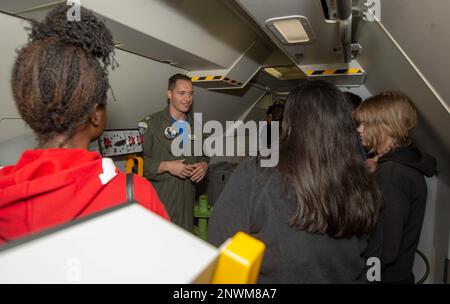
{"x":291,"y":29}
{"x":274,"y":72}
{"x":285,"y":72}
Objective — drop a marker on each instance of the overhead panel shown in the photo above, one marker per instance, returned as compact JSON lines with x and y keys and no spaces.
{"x":351,"y":74}
{"x":307,"y":38}
{"x":238,"y":75}
{"x":323,"y":36}
{"x":211,"y":82}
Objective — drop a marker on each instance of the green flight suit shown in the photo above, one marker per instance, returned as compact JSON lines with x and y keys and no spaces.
{"x":178,"y":195}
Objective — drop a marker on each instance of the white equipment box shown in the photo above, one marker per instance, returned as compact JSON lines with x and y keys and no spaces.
{"x":127,"y":245}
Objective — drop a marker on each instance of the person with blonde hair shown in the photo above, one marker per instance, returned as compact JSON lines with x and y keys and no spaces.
{"x":385,"y":124}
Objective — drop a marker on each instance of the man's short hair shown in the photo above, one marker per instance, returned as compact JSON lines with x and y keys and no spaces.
{"x":173,"y":80}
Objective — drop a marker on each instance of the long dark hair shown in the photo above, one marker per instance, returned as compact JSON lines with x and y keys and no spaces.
{"x":61,"y":73}
{"x":335,"y":194}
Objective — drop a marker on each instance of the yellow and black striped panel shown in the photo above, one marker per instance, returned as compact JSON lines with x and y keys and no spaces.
{"x":216,"y":78}
{"x":352,"y":71}
{"x":206,"y":78}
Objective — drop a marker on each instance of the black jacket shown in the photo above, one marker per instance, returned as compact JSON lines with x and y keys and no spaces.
{"x":400,"y":176}
{"x":258,"y":202}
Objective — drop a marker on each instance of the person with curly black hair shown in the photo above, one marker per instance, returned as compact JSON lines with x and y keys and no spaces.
{"x":60,"y":83}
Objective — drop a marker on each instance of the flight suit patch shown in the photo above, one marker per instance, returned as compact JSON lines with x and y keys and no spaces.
{"x":170,"y":132}
{"x":143,"y":126}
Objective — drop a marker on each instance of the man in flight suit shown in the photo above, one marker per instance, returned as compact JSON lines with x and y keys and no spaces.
{"x":174,"y":178}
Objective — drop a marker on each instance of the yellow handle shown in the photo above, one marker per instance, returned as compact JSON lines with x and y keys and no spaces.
{"x":130,"y":164}
{"x":239,"y":261}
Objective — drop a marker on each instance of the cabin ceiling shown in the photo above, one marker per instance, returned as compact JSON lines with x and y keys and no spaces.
{"x":208,"y":35}
{"x":204,"y":35}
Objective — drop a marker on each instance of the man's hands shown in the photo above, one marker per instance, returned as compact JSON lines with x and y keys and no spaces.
{"x":176,"y":167}
{"x":199,"y":172}
{"x":196,"y":172}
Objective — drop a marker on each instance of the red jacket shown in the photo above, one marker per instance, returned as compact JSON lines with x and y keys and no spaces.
{"x":54,"y":186}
